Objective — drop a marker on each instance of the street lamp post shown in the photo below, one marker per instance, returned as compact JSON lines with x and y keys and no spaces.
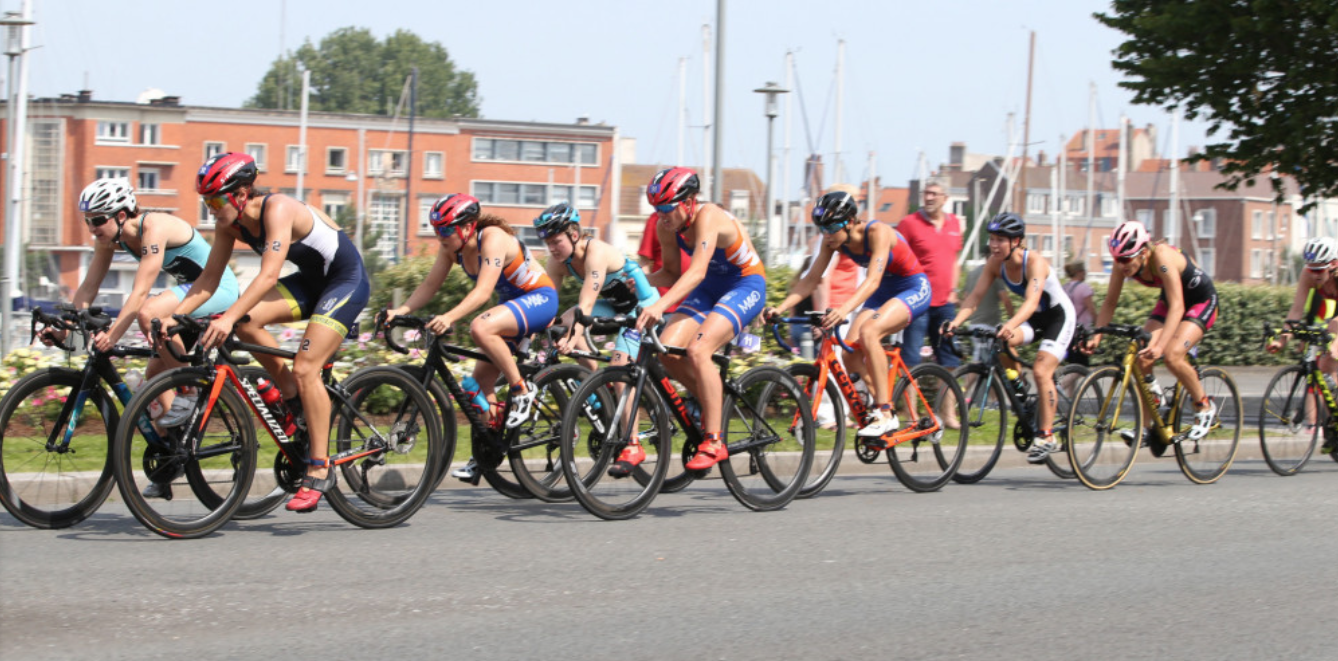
{"x":16,"y":38}
{"x":772,"y":109}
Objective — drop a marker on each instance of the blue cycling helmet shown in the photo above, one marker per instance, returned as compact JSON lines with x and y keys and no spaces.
{"x":556,"y":219}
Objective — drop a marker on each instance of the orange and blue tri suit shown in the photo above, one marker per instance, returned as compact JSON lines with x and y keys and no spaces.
{"x":735,"y":286}
{"x":904,"y":279}
{"x":524,"y":288}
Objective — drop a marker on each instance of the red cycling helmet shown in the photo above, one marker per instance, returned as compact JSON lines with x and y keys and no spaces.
{"x":225,"y":173}
{"x":454,"y":209}
{"x":671,"y":186}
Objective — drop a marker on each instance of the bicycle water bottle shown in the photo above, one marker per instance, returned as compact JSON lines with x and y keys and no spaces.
{"x":475,"y":393}
{"x":1159,"y":392}
{"x":133,"y":379}
{"x":273,"y":399}
{"x":1015,"y":378}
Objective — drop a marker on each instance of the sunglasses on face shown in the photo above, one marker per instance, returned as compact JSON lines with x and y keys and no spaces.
{"x":1125,"y":260}
{"x":97,"y":221}
{"x":549,"y":232}
{"x":666,"y":208}
{"x":446,"y":231}
{"x":832,"y":229}
{"x":215,"y":203}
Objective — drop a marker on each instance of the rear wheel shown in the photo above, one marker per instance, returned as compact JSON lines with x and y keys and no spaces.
{"x":830,"y":443}
{"x":1291,"y":420}
{"x":927,"y":463}
{"x":45,"y":480}
{"x":536,"y":451}
{"x":1207,"y":459}
{"x":769,"y":429}
{"x":986,"y":421}
{"x":1067,"y":380}
{"x":1105,"y":428}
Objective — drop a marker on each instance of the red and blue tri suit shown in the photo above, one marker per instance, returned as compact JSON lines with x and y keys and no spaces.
{"x":735,"y":286}
{"x":904,"y":279}
{"x":524,"y":288}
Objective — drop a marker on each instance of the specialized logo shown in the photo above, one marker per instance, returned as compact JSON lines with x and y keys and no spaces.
{"x":263,"y":409}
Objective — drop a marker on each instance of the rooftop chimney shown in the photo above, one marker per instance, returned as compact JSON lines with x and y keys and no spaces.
{"x":85,"y":96}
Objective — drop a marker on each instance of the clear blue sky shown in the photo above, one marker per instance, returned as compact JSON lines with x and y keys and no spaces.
{"x":919,"y":76}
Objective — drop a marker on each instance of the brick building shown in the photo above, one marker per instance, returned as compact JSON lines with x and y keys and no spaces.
{"x":359,"y":162}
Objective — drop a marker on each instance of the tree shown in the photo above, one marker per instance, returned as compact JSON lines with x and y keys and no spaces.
{"x":353,"y":72}
{"x":1265,"y":71}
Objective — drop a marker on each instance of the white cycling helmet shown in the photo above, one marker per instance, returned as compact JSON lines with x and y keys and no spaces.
{"x":107,"y":196}
{"x":1319,"y":252}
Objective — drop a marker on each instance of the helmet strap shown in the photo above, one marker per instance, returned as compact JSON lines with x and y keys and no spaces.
{"x":691,"y":206}
{"x":120,"y":227}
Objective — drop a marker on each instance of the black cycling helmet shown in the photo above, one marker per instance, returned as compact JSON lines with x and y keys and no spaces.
{"x":834,"y":211}
{"x":556,"y":219}
{"x":1007,"y":224}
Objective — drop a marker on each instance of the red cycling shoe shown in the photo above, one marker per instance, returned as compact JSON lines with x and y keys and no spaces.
{"x":708,"y":455}
{"x":309,"y":496}
{"x":630,"y":458}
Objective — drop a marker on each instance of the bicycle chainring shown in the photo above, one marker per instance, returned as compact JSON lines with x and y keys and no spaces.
{"x":163,"y":466}
{"x":1022,"y":436}
{"x":287,"y":474}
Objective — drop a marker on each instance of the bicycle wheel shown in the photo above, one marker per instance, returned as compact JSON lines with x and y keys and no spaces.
{"x":928,"y":462}
{"x":1291,"y":418}
{"x":1105,"y":426}
{"x":215,"y":458}
{"x":446,"y":419}
{"x":535,"y":452}
{"x":266,"y":492}
{"x":1206,"y":460}
{"x":769,"y":429}
{"x":829,"y":445}
{"x":46,"y":482}
{"x":386,"y":442}
{"x":986,"y":421}
{"x":592,"y":440}
{"x":491,"y":455}
{"x":1067,"y":380}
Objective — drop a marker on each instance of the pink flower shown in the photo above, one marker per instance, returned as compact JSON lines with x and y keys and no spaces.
{"x":287,"y":334}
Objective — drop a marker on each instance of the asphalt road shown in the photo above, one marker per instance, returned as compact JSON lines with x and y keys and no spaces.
{"x":1021,"y":565}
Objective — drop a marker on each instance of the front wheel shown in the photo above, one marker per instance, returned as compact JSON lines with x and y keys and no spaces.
{"x":768,"y":427}
{"x":1291,"y":420}
{"x":54,"y":441}
{"x":1207,"y":459}
{"x":1105,"y":428}
{"x":535,"y":450}
{"x":1067,"y":380}
{"x":386,"y":443}
{"x":929,"y":400}
{"x":830,"y":444}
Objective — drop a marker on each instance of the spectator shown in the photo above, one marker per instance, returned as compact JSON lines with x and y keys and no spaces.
{"x":935,"y":236}
{"x":1081,"y":294}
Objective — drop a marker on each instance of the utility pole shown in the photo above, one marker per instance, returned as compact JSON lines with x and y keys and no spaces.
{"x":16,"y":46}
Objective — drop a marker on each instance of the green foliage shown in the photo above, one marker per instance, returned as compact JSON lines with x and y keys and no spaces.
{"x":347,"y":220}
{"x":353,"y":72}
{"x":1263,"y":70}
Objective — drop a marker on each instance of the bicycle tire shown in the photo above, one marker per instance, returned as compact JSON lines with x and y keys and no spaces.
{"x":1291,"y":420}
{"x":499,"y":476}
{"x":216,"y":456}
{"x":1104,"y":407}
{"x":942,"y":394}
{"x":984,"y":397}
{"x":446,"y":419}
{"x":535,"y":448}
{"x":587,"y":451}
{"x":1067,"y":380}
{"x":392,"y":418}
{"x":827,"y":454}
{"x":760,"y":414}
{"x":51,"y":489}
{"x":1206,"y":460}
{"x":255,"y":507}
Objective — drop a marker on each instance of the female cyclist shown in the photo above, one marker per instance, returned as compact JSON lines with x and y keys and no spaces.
{"x":894,"y":293}
{"x":502,"y":264}
{"x":1046,"y":314}
{"x":1187,"y":307}
{"x":330,"y":288}
{"x":722,"y":291}
{"x":1316,"y":299}
{"x":611,"y":284}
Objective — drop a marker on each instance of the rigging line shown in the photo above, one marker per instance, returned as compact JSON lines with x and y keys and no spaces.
{"x":803,"y":108}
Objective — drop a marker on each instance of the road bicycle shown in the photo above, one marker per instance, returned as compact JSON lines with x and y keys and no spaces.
{"x":384,"y":447}
{"x":1298,"y":403}
{"x":519,"y":462}
{"x":991,"y":395}
{"x":1106,"y":419}
{"x":924,"y":453}
{"x":767,"y":427}
{"x":57,"y":423}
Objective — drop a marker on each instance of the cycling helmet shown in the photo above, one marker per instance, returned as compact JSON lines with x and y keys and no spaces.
{"x":454,"y":209}
{"x":107,"y":196}
{"x":834,"y":211}
{"x":1128,"y":239}
{"x":671,"y":186}
{"x":1319,"y":252}
{"x":225,"y":173}
{"x":556,"y":219}
{"x":1007,"y":224}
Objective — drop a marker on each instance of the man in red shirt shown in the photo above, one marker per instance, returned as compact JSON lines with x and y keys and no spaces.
{"x":651,"y":258}
{"x":935,"y":236}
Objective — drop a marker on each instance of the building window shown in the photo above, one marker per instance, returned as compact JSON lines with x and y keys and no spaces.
{"x":1257,"y":226}
{"x":1205,"y":223}
{"x":1108,"y":206}
{"x":532,"y":195}
{"x":1256,"y":263}
{"x":738,"y":203}
{"x":386,"y":163}
{"x":384,"y":217}
{"x":1036,"y":202}
{"x":1209,"y":261}
{"x":1145,"y":216}
{"x":112,"y":173}
{"x":113,"y":132}
{"x":148,"y":134}
{"x":1269,"y":219}
{"x":433,"y":165}
{"x":292,"y":159}
{"x":148,"y":179}
{"x":257,"y":151}
{"x":534,"y":151}
{"x":333,"y":203}
{"x":336,"y":160}
{"x":425,"y":216}
{"x":207,"y":220}
{"x":212,"y":149}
